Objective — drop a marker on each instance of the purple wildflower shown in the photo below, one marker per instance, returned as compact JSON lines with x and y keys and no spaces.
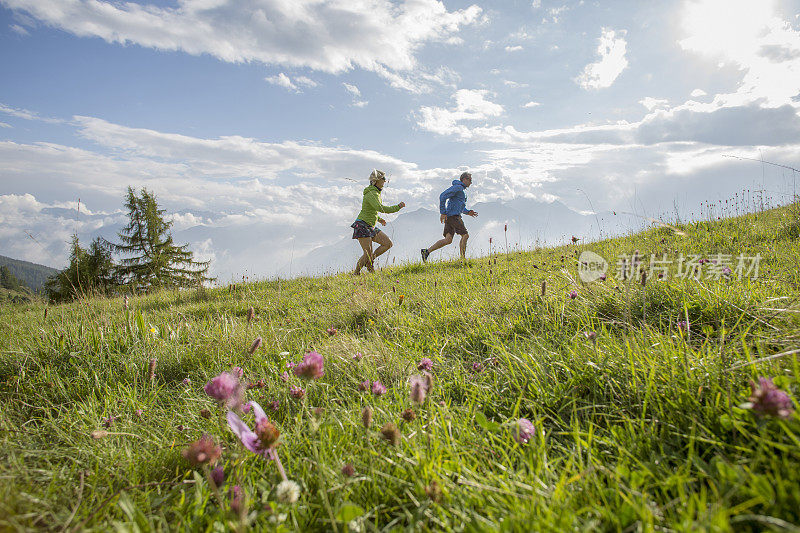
{"x":357,"y":357}
{"x":246,"y":408}
{"x":260,"y":441}
{"x":684,"y":326}
{"x":290,"y":365}
{"x":139,"y":413}
{"x":109,"y":421}
{"x":332,"y":331}
{"x":573,"y":295}
{"x":186,"y":382}
{"x":767,"y":399}
{"x":297,"y":393}
{"x":727,"y":271}
{"x":274,"y":405}
{"x":378,"y":388}
{"x":285,"y":377}
{"x":225,"y":388}
{"x":238,"y":372}
{"x":602,"y":277}
{"x":477,"y":367}
{"x":312,"y":367}
{"x":425,"y":364}
{"x":523,"y":431}
{"x":364,"y":385}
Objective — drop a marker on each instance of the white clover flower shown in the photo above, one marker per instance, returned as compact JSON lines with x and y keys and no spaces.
{"x":287,"y":491}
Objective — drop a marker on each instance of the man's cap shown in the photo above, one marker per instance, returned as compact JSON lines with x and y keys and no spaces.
{"x":465,"y":175}
{"x":377,"y":175}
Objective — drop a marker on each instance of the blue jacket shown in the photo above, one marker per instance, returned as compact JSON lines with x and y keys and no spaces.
{"x":455,"y":199}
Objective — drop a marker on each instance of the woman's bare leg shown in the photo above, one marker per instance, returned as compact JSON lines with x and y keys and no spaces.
{"x":367,"y":258}
{"x":385,"y":243}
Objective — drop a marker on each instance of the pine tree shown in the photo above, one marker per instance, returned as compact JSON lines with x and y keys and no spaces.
{"x":151,"y":258}
{"x":10,"y":281}
{"x":89,"y":272}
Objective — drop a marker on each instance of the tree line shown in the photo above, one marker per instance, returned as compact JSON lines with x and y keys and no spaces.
{"x":149,"y":259}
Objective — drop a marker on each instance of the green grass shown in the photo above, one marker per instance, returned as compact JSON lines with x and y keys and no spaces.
{"x":642,"y":431}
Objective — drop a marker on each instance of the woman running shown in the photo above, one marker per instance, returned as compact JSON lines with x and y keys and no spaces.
{"x":364,"y":227}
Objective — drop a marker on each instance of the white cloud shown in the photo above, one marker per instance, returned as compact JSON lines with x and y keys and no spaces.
{"x":536,"y":4}
{"x":514,"y":84}
{"x":652,"y":103}
{"x":612,"y":62}
{"x":356,"y":94}
{"x":532,"y":104}
{"x":282,"y":80}
{"x":516,"y":48}
{"x":763,"y":46}
{"x":469,"y":105}
{"x":698,"y":92}
{"x":16,"y":28}
{"x":4,"y":125}
{"x":27,"y":115}
{"x":324,"y":35}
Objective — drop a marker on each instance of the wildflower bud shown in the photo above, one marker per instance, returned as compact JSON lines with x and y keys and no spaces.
{"x":590,"y":335}
{"x":45,"y":311}
{"x":297,"y":393}
{"x":408,"y":415}
{"x":332,"y":331}
{"x":202,"y":451}
{"x":256,"y":344}
{"x":477,"y":367}
{"x":348,"y":470}
{"x":186,"y":382}
{"x":238,"y":372}
{"x":425,"y":364}
{"x":318,"y":412}
{"x":274,"y":405}
{"x":428,"y":377}
{"x":505,"y":227}
{"x":99,"y":434}
{"x":400,"y":299}
{"x":364,"y":385}
{"x":390,"y":434}
{"x":139,"y":413}
{"x":125,"y":302}
{"x":108,"y":422}
{"x":205,"y":413}
{"x":573,"y":295}
{"x":218,"y":476}
{"x":267,"y":433}
{"x":236,"y":499}
{"x":151,"y":370}
{"x":644,"y":279}
{"x":285,"y":377}
{"x":418,"y":389}
{"x":544,"y":287}
{"x":366,"y":417}
{"x":287,"y":491}
{"x":250,"y":314}
{"x":434,"y":492}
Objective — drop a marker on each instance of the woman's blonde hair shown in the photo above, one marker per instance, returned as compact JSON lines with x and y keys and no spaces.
{"x":376,"y":175}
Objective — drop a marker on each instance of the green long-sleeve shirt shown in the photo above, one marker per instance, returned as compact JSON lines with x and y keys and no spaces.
{"x":371,"y":205}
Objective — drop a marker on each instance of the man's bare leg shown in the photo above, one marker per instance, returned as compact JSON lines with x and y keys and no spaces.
{"x":367,"y":257}
{"x":441,"y":243}
{"x":463,"y":245}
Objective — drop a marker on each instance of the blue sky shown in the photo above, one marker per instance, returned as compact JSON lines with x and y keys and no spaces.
{"x":253,"y":116}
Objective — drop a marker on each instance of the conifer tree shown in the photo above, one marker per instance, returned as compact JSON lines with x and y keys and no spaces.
{"x":151,"y":259}
{"x":89,"y":272}
{"x":10,"y":281}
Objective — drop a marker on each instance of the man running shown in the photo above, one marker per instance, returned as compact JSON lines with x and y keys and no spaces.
{"x":452,"y":204}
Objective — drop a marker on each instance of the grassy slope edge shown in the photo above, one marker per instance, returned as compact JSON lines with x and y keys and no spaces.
{"x":642,"y":430}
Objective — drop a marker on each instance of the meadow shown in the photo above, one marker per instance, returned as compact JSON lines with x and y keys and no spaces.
{"x":637,"y":391}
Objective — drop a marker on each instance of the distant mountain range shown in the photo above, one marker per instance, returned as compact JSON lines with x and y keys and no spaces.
{"x":32,"y":274}
{"x":530,"y":223}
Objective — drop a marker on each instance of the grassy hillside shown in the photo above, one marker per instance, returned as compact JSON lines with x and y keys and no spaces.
{"x":32,"y":274}
{"x":644,"y":428}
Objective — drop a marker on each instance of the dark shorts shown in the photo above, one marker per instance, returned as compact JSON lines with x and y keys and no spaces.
{"x":362,"y":230}
{"x":454,"y":225}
